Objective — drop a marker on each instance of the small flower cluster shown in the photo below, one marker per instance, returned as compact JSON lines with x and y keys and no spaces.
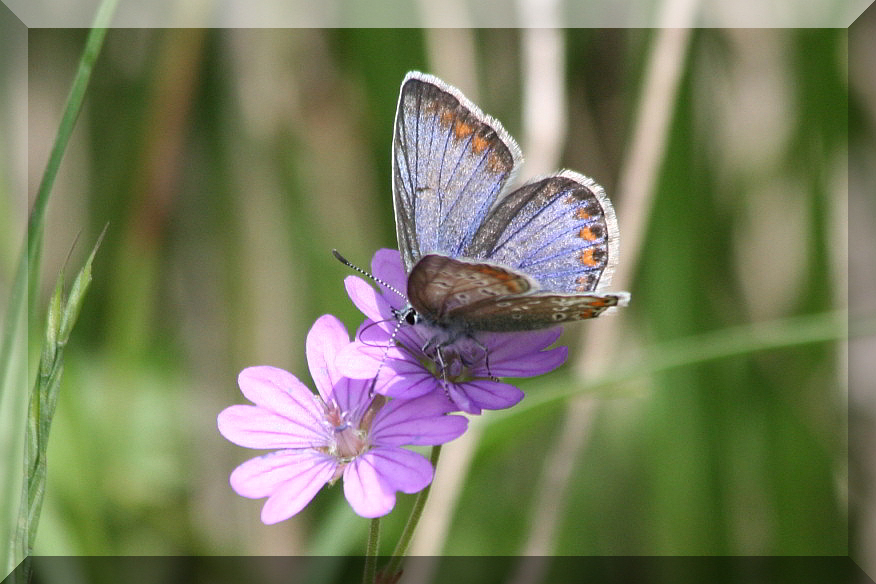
{"x":390,"y":387}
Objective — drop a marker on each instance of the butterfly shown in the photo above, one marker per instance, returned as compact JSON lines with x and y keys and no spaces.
{"x":479,"y":258}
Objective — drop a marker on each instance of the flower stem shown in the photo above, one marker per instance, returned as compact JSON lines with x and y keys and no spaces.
{"x":404,"y":542}
{"x":370,"y":576}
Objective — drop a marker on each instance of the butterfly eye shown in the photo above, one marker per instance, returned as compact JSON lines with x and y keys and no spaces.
{"x":407,"y":314}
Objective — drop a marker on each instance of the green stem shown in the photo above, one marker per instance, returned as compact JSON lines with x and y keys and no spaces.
{"x":404,"y":542}
{"x":370,"y":576}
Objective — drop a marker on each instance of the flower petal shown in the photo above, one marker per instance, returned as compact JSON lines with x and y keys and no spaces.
{"x":257,"y":427}
{"x":387,"y":266}
{"x":290,"y":478}
{"x":327,"y":337}
{"x":534,"y":363}
{"x":456,"y":393}
{"x":359,"y":360}
{"x":353,"y":395}
{"x":378,"y":333}
{"x":411,"y":382}
{"x":402,"y":470}
{"x":366,"y":493}
{"x":370,"y":481}
{"x":417,"y":421}
{"x":279,"y":391}
{"x":365,"y":297}
{"x":511,"y":345}
{"x":484,"y":393}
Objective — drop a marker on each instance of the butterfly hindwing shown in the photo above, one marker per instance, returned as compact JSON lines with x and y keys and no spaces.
{"x":450,"y":162}
{"x":440,"y":286}
{"x":560,"y":230}
{"x":536,"y":311}
{"x":462,"y":295}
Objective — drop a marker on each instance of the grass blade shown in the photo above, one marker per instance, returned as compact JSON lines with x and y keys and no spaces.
{"x":61,"y":317}
{"x":27,"y":275}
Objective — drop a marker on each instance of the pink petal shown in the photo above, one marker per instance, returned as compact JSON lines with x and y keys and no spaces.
{"x":290,"y":478}
{"x":408,"y":384}
{"x":400,"y":469}
{"x":352,"y":395}
{"x":417,"y":421}
{"x":512,"y":345}
{"x":486,"y":394}
{"x":531,"y":364}
{"x":326,"y":338}
{"x":365,"y":492}
{"x":257,"y":427}
{"x":365,"y":297}
{"x":361,"y":361}
{"x":377,"y":333}
{"x":465,"y":404}
{"x":387,"y":265}
{"x":279,"y":391}
{"x":370,"y":481}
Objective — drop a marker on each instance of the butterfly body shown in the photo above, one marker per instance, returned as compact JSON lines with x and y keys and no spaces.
{"x":479,"y":258}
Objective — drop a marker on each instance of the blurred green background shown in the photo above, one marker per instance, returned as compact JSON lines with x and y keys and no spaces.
{"x":228,"y":163}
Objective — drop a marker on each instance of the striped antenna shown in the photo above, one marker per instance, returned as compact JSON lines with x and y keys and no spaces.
{"x":347,"y":263}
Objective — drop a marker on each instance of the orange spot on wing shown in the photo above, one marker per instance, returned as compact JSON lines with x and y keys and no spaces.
{"x":586,"y":258}
{"x":461,"y":129}
{"x":500,"y":275}
{"x":582,"y":213}
{"x":584,"y":283}
{"x":512,"y":283}
{"x":446,"y":117}
{"x":587,"y":233}
{"x":479,"y":144}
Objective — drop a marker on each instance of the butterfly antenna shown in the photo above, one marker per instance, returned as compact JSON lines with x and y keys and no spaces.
{"x":347,"y":263}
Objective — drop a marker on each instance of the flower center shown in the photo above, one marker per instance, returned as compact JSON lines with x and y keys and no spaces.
{"x":350,"y":443}
{"x":350,"y":440}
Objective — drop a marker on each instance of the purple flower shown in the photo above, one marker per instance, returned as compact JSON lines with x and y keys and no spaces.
{"x":340,"y":432}
{"x":465,"y":370}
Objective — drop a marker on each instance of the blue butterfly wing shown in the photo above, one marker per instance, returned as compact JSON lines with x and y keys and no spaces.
{"x":450,"y":162}
{"x":560,"y":230}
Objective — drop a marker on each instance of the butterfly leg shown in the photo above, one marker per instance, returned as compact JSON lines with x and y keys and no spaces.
{"x":486,"y":351}
{"x":442,"y":365}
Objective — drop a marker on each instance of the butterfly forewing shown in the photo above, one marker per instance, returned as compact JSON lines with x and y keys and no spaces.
{"x":450,"y":162}
{"x":560,"y":230}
